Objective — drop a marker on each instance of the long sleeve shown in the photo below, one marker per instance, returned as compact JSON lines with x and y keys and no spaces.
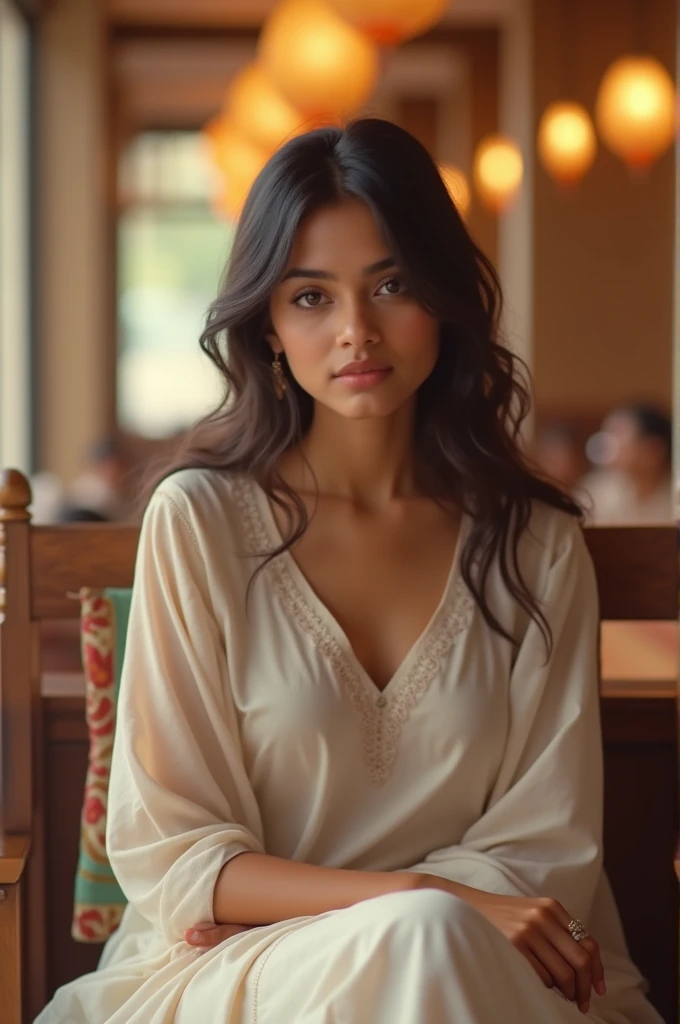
{"x":180,"y":803}
{"x":540,"y":834}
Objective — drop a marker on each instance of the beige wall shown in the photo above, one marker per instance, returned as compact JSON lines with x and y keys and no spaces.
{"x":71,"y":234}
{"x":603,"y":256}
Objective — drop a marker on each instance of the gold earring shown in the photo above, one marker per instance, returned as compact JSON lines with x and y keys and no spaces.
{"x":280,"y":383}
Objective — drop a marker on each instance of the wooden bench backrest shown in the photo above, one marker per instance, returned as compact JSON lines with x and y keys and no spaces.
{"x":636,"y":567}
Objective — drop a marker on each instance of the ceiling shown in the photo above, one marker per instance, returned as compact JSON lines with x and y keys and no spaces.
{"x":251,"y":13}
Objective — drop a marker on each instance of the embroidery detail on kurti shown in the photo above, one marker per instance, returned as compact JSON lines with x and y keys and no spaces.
{"x":382,"y":716}
{"x":261,"y":966}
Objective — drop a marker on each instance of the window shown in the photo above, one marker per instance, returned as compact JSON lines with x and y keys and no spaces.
{"x":172,"y":249}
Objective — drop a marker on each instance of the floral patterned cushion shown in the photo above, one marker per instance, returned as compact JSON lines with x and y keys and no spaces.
{"x":99,"y":901}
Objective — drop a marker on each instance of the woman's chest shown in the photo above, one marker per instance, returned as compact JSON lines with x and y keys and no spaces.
{"x":306,"y":704}
{"x":381,"y":581}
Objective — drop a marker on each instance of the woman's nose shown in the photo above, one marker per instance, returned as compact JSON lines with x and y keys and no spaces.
{"x":355,"y":327}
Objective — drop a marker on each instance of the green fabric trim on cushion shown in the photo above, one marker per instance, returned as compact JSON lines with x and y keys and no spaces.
{"x":99,"y":901}
{"x":120,"y":599}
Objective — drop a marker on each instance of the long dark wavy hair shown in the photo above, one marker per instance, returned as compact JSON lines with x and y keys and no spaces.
{"x":469,"y":411}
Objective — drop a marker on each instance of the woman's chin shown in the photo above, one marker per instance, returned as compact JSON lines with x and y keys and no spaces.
{"x":368,"y":406}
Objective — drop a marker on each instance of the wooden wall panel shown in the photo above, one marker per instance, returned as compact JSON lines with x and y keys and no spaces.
{"x":603,"y":251}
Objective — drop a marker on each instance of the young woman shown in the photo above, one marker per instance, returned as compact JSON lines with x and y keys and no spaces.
{"x":357,"y":768}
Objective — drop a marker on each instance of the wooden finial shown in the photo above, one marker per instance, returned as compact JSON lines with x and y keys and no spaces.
{"x":15,"y":496}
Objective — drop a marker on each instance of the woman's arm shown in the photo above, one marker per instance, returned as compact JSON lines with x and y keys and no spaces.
{"x":255,"y":888}
{"x":180,"y":801}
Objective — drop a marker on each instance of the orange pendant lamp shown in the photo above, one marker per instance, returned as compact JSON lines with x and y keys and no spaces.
{"x":498,"y":170}
{"x":317,"y":60}
{"x":389,"y":22}
{"x":255,"y":108}
{"x":635,"y":110}
{"x":566,"y":142}
{"x":458,"y":188}
{"x":239,"y":162}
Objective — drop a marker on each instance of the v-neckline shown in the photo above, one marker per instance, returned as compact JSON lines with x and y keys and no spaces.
{"x":379,"y":695}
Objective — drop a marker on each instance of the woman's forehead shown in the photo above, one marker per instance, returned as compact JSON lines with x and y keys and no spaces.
{"x":343,"y":232}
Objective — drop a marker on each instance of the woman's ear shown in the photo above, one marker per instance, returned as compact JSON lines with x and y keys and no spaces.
{"x":274,"y":343}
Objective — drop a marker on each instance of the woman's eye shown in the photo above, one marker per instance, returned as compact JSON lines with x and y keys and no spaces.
{"x":309,"y":299}
{"x":393,"y":286}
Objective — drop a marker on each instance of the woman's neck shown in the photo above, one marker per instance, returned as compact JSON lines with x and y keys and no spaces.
{"x":369,"y":462}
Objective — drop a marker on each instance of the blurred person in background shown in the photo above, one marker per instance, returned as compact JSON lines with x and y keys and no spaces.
{"x":632,"y":482}
{"x":560,"y":457}
{"x":47,"y":497}
{"x":97,"y":494}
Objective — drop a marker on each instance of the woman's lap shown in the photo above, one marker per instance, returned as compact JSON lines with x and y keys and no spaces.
{"x":407,"y":958}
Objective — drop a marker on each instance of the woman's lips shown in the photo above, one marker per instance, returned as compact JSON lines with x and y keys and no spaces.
{"x":364,"y":380}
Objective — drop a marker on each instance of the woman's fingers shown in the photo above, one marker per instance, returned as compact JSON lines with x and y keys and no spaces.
{"x":597,"y":967}
{"x":208,"y":935}
{"x":578,"y":958}
{"x":545,"y":977}
{"x":569,"y":946}
{"x":562,"y":974}
{"x":541,"y":926}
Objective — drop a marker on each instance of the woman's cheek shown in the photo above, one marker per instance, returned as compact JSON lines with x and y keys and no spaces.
{"x":415,"y":334}
{"x":307,"y":355}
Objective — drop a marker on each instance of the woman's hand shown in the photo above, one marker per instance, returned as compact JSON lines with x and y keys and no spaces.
{"x":204,"y":936}
{"x":539,"y":929}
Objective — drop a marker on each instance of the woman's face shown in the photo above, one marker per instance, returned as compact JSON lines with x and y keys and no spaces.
{"x":352,"y":335}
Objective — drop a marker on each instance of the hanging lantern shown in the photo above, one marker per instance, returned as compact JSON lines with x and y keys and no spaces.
{"x":256,"y":108}
{"x":239,"y":161}
{"x":318,"y":61}
{"x":211,"y":133}
{"x":388,"y":22}
{"x":458,"y":187}
{"x":635,"y":110}
{"x":498,"y":171}
{"x":566,"y":142}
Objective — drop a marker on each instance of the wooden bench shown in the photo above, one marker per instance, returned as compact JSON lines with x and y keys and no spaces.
{"x":44,"y":750}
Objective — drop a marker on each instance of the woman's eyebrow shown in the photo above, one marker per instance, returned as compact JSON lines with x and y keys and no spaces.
{"x":324,"y":275}
{"x":321,"y":275}
{"x":385,"y":264}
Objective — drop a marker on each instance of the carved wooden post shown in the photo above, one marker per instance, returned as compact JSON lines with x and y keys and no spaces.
{"x":16,"y":698}
{"x":17,"y":739}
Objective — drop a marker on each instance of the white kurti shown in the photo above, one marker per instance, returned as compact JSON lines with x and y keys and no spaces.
{"x":257,"y":729}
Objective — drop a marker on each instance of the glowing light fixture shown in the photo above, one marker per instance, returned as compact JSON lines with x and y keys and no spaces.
{"x":317,"y":60}
{"x":498,"y":170}
{"x":255,"y":108}
{"x":635,"y":110}
{"x":566,"y":142}
{"x":239,"y":161}
{"x":388,"y":22}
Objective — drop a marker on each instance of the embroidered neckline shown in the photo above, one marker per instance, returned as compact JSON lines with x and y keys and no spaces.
{"x":382,"y":715}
